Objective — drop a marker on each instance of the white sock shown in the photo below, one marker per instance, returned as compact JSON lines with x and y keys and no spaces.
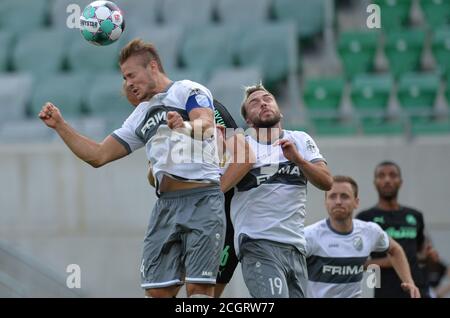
{"x":199,"y":296}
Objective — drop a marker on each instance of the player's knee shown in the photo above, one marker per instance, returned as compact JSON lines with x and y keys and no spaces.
{"x":160,"y":293}
{"x":200,"y":289}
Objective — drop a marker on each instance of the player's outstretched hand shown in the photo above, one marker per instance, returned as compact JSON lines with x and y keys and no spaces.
{"x":290,"y":150}
{"x":51,"y":115}
{"x":174,"y":120}
{"x":411,"y":289}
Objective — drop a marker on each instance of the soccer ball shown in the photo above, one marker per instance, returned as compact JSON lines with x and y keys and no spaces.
{"x":102,"y":23}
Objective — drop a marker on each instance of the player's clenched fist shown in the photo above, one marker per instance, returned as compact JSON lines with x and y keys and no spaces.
{"x":50,"y":115}
{"x":174,"y":120}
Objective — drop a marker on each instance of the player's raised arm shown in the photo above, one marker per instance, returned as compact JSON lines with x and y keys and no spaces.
{"x":93,"y":153}
{"x":316,"y":172}
{"x":241,"y":162}
{"x":400,"y":263}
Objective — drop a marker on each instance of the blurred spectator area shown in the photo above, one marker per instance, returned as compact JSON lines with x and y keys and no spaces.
{"x":332,"y":75}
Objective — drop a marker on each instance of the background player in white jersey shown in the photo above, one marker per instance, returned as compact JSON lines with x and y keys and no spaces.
{"x":187,"y":227}
{"x":338,"y":247}
{"x":268,"y":207}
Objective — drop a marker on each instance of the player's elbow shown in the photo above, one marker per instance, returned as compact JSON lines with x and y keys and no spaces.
{"x":95,"y":163}
{"x":327,"y":183}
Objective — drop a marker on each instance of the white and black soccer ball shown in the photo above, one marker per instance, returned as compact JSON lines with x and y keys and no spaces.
{"x":102,"y":23}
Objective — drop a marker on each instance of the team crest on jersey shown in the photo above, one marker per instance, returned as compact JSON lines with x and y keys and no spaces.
{"x":410,"y":219}
{"x":358,"y":243}
{"x":383,"y":240}
{"x":195,"y":91}
{"x":310,"y":146}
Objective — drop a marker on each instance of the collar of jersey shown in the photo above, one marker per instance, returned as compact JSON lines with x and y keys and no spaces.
{"x":339,"y":233}
{"x":279,"y":138}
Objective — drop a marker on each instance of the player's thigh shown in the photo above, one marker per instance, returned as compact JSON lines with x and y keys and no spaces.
{"x":161,"y":257}
{"x":228,"y":258}
{"x":263,"y":269}
{"x":298,"y":282}
{"x":204,"y":241}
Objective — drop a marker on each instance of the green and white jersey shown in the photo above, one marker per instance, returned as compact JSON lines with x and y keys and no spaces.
{"x":336,"y":260}
{"x":269,"y":202}
{"x":170,"y":152}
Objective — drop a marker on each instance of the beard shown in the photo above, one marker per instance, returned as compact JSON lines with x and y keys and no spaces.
{"x":268,"y":123}
{"x":388,"y":195}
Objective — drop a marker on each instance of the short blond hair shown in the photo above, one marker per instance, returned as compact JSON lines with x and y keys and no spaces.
{"x":146,"y":50}
{"x":349,"y":180}
{"x":247,"y":92}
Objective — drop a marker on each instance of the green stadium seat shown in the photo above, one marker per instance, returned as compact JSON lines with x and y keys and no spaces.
{"x":187,"y":12}
{"x":394,"y":13}
{"x":417,"y":93}
{"x":25,"y":131}
{"x":15,"y":92}
{"x":85,"y":57}
{"x":227,"y":85}
{"x":404,"y":51}
{"x":144,"y":12}
{"x":271,"y":48}
{"x":323,"y":96}
{"x":167,"y":40}
{"x":437,"y":12}
{"x":309,"y":15}
{"x":23,"y":16}
{"x":289,"y":125}
{"x":180,"y":74}
{"x":370,"y":93}
{"x":429,"y":126}
{"x":242,"y":12}
{"x":357,"y":50}
{"x":105,"y":98}
{"x":441,"y":50}
{"x":40,"y":52}
{"x":334,"y":128}
{"x":66,"y":91}
{"x":58,"y":11}
{"x":447,"y":91}
{"x":5,"y":47}
{"x":380,"y":126}
{"x":209,"y":48}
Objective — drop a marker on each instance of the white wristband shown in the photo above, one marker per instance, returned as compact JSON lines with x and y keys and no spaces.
{"x":187,"y":125}
{"x":187,"y":128}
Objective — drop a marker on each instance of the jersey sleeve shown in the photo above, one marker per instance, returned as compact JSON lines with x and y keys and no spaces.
{"x":379,"y":237}
{"x":308,"y":148}
{"x":126,"y":135}
{"x":222,"y":116}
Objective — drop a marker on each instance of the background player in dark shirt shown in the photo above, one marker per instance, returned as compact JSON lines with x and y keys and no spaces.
{"x":403,"y":224}
{"x":229,"y":260}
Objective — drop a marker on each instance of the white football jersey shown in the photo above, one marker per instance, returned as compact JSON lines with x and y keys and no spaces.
{"x":269,"y":202}
{"x":170,"y":152}
{"x":336,"y":261}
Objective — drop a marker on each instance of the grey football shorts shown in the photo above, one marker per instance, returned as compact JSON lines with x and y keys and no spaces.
{"x":273,"y":270}
{"x":184,"y":239}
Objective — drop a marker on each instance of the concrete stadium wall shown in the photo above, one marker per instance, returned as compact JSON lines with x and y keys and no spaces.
{"x":61,"y":211}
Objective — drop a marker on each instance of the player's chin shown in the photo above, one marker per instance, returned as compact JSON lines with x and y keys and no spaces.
{"x":340,"y":214}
